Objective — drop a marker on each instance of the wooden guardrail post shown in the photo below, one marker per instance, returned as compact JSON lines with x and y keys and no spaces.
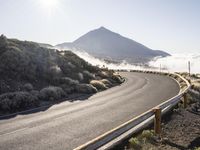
{"x":185,"y":100}
{"x":157,"y":121}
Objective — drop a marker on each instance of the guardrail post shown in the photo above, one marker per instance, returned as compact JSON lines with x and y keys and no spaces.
{"x":157,"y":121}
{"x":185,"y":100}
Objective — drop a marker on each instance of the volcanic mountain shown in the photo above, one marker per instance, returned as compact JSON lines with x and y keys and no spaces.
{"x":103,"y":43}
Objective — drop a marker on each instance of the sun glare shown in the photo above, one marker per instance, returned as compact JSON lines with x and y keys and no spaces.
{"x":49,"y":5}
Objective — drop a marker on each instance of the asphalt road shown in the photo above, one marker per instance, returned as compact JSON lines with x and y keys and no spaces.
{"x":70,"y":124}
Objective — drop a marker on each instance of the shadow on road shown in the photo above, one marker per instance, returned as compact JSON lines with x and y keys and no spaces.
{"x":47,"y":105}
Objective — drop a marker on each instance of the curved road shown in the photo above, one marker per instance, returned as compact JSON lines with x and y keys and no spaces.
{"x":70,"y":124}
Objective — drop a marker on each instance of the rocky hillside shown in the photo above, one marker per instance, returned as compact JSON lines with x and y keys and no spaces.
{"x":31,"y":74}
{"x":103,"y":43}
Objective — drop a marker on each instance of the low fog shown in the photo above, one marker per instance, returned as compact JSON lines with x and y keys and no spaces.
{"x":174,"y":63}
{"x":178,"y":62}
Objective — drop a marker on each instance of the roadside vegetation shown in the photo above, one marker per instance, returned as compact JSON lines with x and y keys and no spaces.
{"x":31,"y":75}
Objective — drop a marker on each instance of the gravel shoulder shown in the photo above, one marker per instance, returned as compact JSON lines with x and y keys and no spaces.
{"x":180,"y":133}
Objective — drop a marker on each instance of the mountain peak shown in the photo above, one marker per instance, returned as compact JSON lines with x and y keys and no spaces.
{"x":102,"y":28}
{"x":104,"y":43}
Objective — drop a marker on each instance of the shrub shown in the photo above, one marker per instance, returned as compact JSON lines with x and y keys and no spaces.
{"x":98,"y":84}
{"x":28,"y":87}
{"x":71,"y":65}
{"x":91,"y":75}
{"x":17,"y":101}
{"x":147,"y":134}
{"x":86,"y":88}
{"x":117,"y":78}
{"x":17,"y":66}
{"x":103,"y":74}
{"x":68,"y":89}
{"x":51,"y":93}
{"x":35,"y":93}
{"x":66,"y":80}
{"x":135,"y":143}
{"x":196,"y":86}
{"x":106,"y":82}
{"x":192,"y":97}
{"x":88,"y":76}
{"x":80,"y":76}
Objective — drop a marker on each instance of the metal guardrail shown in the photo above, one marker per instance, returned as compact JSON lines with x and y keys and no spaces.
{"x":114,"y":133}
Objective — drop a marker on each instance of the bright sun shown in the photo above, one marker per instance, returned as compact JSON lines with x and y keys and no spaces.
{"x":49,"y":5}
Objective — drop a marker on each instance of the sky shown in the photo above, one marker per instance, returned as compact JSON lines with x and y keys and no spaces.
{"x":169,"y":25}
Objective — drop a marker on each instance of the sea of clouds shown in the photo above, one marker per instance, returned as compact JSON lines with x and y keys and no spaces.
{"x":174,"y":63}
{"x":178,"y":62}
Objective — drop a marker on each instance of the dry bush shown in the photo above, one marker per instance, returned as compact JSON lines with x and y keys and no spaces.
{"x":23,"y":61}
{"x":141,"y":140}
{"x":69,"y":89}
{"x":88,"y":76}
{"x":103,"y":74}
{"x":196,"y":86}
{"x":193,"y":96}
{"x":51,"y":93}
{"x":12,"y":102}
{"x":135,"y":143}
{"x":35,"y":93}
{"x":66,"y":80}
{"x":98,"y":84}
{"x":147,"y":134}
{"x":107,"y":82}
{"x":86,"y":88}
{"x":28,"y":87}
{"x":117,"y":78}
{"x":91,"y":75}
{"x":80,"y":76}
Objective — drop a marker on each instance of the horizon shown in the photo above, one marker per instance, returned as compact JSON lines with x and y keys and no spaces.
{"x":170,"y":26}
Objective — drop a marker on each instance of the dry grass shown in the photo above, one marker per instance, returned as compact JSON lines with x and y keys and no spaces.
{"x":140,"y":140}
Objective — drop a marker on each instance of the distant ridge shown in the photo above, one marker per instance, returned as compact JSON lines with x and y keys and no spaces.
{"x":104,"y":43}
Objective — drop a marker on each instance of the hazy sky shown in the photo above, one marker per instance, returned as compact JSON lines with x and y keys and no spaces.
{"x":170,"y":25}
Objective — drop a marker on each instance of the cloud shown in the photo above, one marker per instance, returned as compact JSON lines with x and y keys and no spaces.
{"x":99,"y":62}
{"x":179,"y":62}
{"x":174,"y":63}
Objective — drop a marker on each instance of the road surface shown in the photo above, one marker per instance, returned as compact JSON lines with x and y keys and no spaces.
{"x":69,"y":124}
